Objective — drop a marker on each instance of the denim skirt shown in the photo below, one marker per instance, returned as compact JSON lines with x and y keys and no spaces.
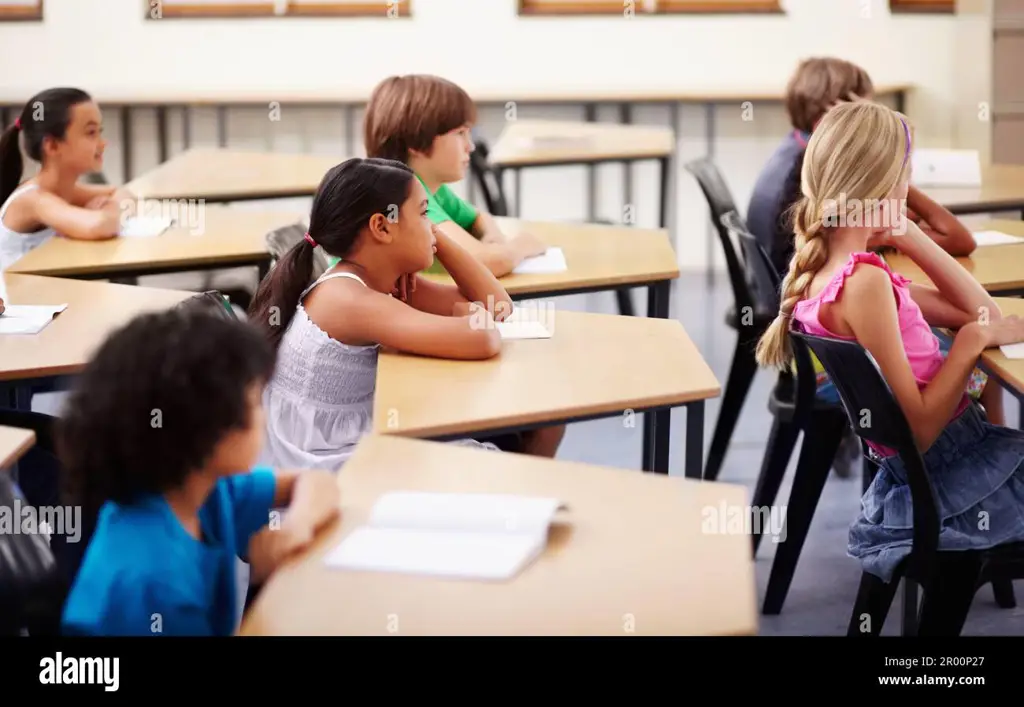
{"x":977,"y":479}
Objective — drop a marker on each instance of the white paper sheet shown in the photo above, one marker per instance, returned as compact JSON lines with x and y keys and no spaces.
{"x":1012,"y":350}
{"x":458,"y":535}
{"x":552,"y":261}
{"x":28,"y":318}
{"x":986,"y":238}
{"x":488,"y":556}
{"x":946,"y":168}
{"x":523,"y":330}
{"x":145,"y":226}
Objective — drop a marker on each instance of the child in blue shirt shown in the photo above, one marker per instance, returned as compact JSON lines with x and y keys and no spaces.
{"x":158,"y":442}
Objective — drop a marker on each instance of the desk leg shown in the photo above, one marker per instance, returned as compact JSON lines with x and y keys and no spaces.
{"x":656,"y":440}
{"x":658,"y":300}
{"x":694,"y":468}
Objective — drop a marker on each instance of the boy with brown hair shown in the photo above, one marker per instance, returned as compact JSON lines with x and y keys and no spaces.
{"x":425,"y":121}
{"x":818,"y":84}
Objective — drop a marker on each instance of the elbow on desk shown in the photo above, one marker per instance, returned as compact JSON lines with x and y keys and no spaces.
{"x":483,"y":344}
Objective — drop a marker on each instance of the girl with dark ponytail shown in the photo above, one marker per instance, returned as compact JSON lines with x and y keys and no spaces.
{"x":372,"y":215}
{"x":61,"y":129}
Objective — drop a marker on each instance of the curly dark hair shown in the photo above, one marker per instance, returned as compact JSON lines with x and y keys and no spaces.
{"x":154,"y":402}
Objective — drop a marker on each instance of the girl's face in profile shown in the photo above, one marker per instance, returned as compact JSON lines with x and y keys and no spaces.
{"x":415,"y":233}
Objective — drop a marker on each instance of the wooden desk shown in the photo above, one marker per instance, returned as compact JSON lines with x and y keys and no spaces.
{"x":94,"y":310}
{"x":14,"y":442}
{"x":999,"y":269}
{"x":629,"y":556}
{"x":233,"y":175}
{"x":533,"y":143}
{"x":1002,"y":189}
{"x":599,"y":258}
{"x":584,"y":143}
{"x":1009,"y":371}
{"x":593,"y":366}
{"x":221,"y":237}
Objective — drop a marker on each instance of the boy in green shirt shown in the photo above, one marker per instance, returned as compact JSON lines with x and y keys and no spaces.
{"x":425,"y":121}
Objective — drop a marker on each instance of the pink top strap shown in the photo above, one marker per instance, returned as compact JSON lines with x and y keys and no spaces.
{"x":919,"y":341}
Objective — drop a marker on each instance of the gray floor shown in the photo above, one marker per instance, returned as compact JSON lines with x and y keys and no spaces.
{"x":821,"y":596}
{"x":823,"y":589}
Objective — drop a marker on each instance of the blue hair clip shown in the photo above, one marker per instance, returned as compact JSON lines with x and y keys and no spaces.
{"x":906,"y":130}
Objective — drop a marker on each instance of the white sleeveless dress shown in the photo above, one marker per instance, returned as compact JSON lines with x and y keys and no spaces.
{"x":319,"y":403}
{"x":13,"y":244}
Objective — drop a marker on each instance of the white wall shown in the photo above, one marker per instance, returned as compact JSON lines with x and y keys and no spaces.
{"x":106,"y":47}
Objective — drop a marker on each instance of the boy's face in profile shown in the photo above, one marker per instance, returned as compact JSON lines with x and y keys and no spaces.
{"x":449,"y":156}
{"x":238,"y":451}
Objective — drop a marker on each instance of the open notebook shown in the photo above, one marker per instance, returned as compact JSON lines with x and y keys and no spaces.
{"x":549,"y":262}
{"x":466,"y":536}
{"x":528,"y":322}
{"x":145,"y":226}
{"x":986,"y":238}
{"x":28,"y":318}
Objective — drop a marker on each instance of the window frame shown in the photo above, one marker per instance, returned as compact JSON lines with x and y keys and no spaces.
{"x":20,"y":13}
{"x":603,"y":8}
{"x":934,"y":7}
{"x":294,"y":8}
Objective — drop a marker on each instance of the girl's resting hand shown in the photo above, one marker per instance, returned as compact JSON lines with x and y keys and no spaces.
{"x":405,"y":286}
{"x":1008,"y":329}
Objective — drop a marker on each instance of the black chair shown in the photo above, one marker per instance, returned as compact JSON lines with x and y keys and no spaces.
{"x":949,"y":579}
{"x":750,"y":315}
{"x":281,"y":240}
{"x":210,"y":301}
{"x":31,"y":590}
{"x":795,"y":409}
{"x":489,"y":178}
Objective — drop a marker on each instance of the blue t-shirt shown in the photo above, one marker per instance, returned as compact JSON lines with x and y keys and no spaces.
{"x":776,"y":190}
{"x":144,"y":575}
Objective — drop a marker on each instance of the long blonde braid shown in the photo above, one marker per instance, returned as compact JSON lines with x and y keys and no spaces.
{"x":859,"y":152}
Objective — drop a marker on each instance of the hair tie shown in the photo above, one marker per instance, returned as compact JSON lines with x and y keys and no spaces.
{"x":309,"y":239}
{"x":906,"y":130}
{"x":17,"y":123}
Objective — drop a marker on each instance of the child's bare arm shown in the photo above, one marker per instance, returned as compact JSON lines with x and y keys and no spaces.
{"x":500,"y":257}
{"x":69,"y":220}
{"x":868,"y":308}
{"x":366,"y":316}
{"x":953,"y":282}
{"x":940,"y":225}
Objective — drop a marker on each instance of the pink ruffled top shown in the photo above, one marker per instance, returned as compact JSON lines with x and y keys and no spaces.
{"x":919,"y":341}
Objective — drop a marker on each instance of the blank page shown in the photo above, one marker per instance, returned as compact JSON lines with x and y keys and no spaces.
{"x":552,"y":261}
{"x":462,"y":555}
{"x":984,"y":238}
{"x":144,"y":226}
{"x":464,"y":512}
{"x":28,"y":318}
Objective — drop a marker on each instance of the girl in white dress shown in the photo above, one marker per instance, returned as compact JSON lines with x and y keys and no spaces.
{"x":372,"y":214}
{"x":62,"y":129}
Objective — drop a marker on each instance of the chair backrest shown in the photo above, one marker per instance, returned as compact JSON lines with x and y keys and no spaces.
{"x":211,"y":301}
{"x":720,"y":203}
{"x":281,"y":240}
{"x":759,"y":274}
{"x":876,"y":417}
{"x":488,"y":178}
{"x":31,"y":590}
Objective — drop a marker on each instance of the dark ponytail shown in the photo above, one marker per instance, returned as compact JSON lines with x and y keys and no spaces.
{"x":348,"y":196}
{"x":47,"y":114}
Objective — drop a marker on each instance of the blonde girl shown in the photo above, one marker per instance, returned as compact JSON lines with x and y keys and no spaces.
{"x":858,"y":159}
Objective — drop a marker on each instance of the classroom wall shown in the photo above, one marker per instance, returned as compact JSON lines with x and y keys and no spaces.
{"x":108,"y":48}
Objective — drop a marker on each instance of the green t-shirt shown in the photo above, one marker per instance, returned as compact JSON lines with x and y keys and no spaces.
{"x":443,"y":205}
